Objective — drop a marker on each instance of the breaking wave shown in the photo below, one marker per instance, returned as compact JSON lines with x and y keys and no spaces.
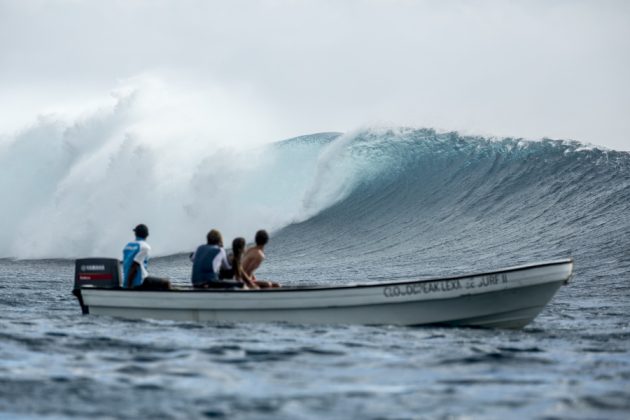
{"x":419,"y":202}
{"x":76,"y":188}
{"x":374,"y":197}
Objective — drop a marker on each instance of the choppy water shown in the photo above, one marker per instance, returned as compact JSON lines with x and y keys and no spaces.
{"x":401,"y":204}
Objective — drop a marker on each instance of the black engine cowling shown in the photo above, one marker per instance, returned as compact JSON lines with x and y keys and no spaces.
{"x":97,"y":272}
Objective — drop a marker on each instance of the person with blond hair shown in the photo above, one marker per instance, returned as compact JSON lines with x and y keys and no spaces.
{"x":208,"y":260}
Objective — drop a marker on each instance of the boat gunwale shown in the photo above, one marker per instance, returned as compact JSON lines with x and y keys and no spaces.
{"x":348,"y":286}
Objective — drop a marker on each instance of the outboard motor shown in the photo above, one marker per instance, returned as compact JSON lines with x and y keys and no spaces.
{"x":98,"y":272}
{"x":95,"y":272}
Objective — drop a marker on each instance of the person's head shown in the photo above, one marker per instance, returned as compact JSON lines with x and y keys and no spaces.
{"x":262,"y":237}
{"x":214,"y":238}
{"x":238,"y":246}
{"x":142,"y":231}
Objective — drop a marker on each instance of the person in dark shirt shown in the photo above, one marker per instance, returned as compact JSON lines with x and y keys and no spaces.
{"x":208,"y":260}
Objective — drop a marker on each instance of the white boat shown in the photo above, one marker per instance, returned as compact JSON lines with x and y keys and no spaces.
{"x":505,"y":298}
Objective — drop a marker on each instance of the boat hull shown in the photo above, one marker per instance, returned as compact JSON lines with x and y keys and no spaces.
{"x":508,"y":298}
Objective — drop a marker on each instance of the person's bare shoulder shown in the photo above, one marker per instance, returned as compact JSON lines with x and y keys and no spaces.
{"x":249,"y":252}
{"x":252,"y":259}
{"x":254,"y":251}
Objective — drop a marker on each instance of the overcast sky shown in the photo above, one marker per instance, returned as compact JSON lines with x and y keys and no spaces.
{"x":532,"y":69}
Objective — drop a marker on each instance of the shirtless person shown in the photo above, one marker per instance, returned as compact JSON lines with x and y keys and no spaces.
{"x":254,"y":256}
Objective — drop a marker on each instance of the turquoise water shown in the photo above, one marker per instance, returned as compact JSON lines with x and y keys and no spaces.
{"x":411,"y":203}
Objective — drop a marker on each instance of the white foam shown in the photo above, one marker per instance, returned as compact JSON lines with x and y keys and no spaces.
{"x":77,"y":186}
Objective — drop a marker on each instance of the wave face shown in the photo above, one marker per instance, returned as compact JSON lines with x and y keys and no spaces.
{"x":376,"y":203}
{"x":421,"y":203}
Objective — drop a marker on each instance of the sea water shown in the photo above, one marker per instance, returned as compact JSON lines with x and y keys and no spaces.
{"x":368,"y":206}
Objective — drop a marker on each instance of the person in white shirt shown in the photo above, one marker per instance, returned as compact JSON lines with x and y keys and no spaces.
{"x":136,"y":258}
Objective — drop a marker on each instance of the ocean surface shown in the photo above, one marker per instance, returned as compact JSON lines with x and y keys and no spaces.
{"x":376,"y":204}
